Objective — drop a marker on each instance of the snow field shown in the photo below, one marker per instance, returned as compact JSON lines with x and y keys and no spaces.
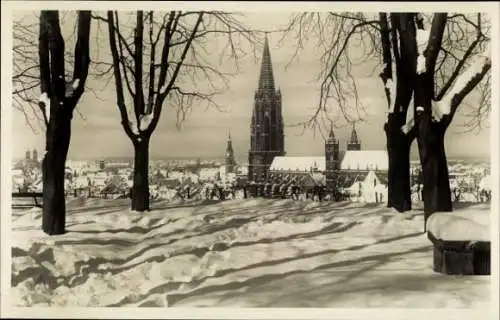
{"x":257,"y":252}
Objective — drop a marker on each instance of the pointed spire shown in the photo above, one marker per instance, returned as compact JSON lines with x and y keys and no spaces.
{"x":229,"y":142}
{"x":354,"y":134}
{"x":266,"y":78}
{"x":332,"y":135}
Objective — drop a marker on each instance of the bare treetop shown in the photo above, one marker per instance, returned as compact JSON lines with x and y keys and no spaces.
{"x":346,"y":40}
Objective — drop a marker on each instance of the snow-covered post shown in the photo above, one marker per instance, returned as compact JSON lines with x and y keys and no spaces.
{"x":58,"y":100}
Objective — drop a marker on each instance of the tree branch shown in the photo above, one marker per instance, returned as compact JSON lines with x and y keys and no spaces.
{"x":122,"y":57}
{"x":138,"y":55}
{"x":164,"y":92}
{"x":118,"y":78}
{"x":461,"y":63}
{"x":152,"y":69}
{"x":434,"y":43}
{"x":475,"y":78}
{"x":82,"y":56}
{"x":386,"y":74}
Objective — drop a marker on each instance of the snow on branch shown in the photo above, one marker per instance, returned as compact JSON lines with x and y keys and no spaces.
{"x":75,"y":84}
{"x":444,"y":106}
{"x":422,"y":41}
{"x":410,"y":118}
{"x":145,"y":120}
{"x":133,"y":126}
{"x":163,"y":89}
{"x":391,"y":86}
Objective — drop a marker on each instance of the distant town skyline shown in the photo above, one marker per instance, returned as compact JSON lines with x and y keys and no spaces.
{"x":99,"y":134}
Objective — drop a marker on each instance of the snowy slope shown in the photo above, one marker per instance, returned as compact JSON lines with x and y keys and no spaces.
{"x":238,"y":253}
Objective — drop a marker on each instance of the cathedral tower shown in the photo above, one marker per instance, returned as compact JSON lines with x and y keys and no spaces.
{"x":267,"y":138}
{"x":229,"y":159}
{"x":354,"y":143}
{"x":332,"y":165}
{"x":35,"y":155}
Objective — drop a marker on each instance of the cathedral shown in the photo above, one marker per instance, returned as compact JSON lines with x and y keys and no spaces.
{"x":361,"y":174}
{"x":267,"y":139}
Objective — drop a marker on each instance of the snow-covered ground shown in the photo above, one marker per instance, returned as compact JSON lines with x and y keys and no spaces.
{"x":237,"y":253}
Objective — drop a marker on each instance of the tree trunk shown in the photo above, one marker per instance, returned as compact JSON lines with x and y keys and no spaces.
{"x":140,"y":189}
{"x":53,"y":165}
{"x":398,"y":149}
{"x":436,"y":190}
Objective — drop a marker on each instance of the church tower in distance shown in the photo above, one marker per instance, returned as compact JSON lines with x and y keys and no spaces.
{"x":354,"y":143}
{"x":229,"y":159}
{"x":267,"y":137}
{"x":332,"y":165}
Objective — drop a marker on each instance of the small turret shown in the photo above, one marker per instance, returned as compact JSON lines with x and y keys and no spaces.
{"x":229,"y":157}
{"x":332,"y":159}
{"x":354,"y":143}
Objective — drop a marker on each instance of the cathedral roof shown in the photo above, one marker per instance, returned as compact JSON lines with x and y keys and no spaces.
{"x":291,"y":163}
{"x":360,"y":160}
{"x":347,"y":178}
{"x":266,"y":78}
{"x":365,"y":160}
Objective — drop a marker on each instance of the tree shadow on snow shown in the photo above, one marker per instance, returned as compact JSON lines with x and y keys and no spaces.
{"x":259,"y":280}
{"x":380,"y":259}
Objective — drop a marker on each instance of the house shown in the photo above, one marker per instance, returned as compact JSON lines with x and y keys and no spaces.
{"x":363,"y":186}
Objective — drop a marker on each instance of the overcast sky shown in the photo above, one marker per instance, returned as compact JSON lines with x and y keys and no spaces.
{"x":99,"y":134}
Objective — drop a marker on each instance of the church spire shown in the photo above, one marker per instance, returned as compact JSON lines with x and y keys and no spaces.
{"x":331,"y":136}
{"x":229,"y":142}
{"x":354,"y":134}
{"x":354,"y":143}
{"x":266,"y":78}
{"x":267,"y":139}
{"x":230,"y":161}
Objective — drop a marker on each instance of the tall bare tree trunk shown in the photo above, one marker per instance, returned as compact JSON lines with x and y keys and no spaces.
{"x":436,"y":183}
{"x":398,"y":55}
{"x":53,"y":168}
{"x":398,"y":149}
{"x":430,"y":131}
{"x":140,"y":190}
{"x":57,"y":102}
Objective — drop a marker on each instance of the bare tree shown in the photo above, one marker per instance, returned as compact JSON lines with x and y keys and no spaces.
{"x":429,"y":65}
{"x":164,"y":59}
{"x":26,"y":65}
{"x":57,"y":102}
{"x":26,"y":70}
{"x":435,"y":107}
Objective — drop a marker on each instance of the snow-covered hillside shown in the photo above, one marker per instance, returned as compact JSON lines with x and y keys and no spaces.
{"x":237,"y":253}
